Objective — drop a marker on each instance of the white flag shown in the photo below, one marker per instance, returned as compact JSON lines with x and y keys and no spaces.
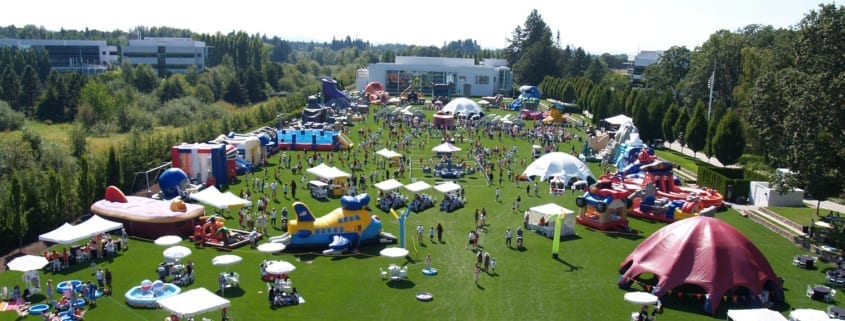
{"x":711,"y":80}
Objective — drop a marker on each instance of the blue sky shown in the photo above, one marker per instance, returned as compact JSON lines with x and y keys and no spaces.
{"x":615,"y":26}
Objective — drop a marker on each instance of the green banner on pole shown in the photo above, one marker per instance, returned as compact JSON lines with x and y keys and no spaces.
{"x":556,"y":239}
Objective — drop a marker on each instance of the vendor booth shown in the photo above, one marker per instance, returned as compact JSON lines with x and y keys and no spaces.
{"x":542,"y":219}
{"x":334,"y":177}
{"x":318,"y":189}
{"x":394,"y":158}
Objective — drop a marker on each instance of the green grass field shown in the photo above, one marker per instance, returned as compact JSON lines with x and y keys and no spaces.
{"x":527,"y":285}
{"x":801,"y":215}
{"x":686,"y":162}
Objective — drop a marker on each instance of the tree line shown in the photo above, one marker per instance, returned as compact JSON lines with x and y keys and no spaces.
{"x":776,"y":95}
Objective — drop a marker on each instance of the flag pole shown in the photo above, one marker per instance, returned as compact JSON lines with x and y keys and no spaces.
{"x":710,"y":84}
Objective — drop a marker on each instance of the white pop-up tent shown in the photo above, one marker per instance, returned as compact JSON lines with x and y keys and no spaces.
{"x":755,"y":315}
{"x":548,"y":212}
{"x":67,"y":233}
{"x":808,"y":315}
{"x":193,"y":302}
{"x":327,"y":172}
{"x":388,"y":185}
{"x":447,"y":187}
{"x":388,"y":153}
{"x":417,"y":187}
{"x":213,"y":197}
{"x":446,"y":148}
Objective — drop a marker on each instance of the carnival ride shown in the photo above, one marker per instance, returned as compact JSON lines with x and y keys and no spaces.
{"x":648,"y":169}
{"x":375,"y":93}
{"x":312,"y":139}
{"x":604,"y":207}
{"x":147,"y":217}
{"x":213,"y":232}
{"x":352,"y":222}
{"x":529,"y":95}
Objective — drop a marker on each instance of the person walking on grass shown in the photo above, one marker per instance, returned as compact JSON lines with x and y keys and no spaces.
{"x":477,"y":273}
{"x":508,"y":237}
{"x":498,"y":195}
{"x":431,"y":234}
{"x":420,"y":230}
{"x":439,"y":233}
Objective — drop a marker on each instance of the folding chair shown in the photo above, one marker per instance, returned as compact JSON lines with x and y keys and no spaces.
{"x":829,"y":297}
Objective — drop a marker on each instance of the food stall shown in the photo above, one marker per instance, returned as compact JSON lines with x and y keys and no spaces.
{"x":335,"y":178}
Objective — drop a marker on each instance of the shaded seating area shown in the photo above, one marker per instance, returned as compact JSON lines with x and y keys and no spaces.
{"x":391,"y":200}
{"x":820,"y":293}
{"x":396,"y":273}
{"x":804,"y":261}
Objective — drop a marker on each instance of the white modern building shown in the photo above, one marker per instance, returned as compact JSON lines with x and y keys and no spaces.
{"x":641,"y":61}
{"x":166,"y":55}
{"x":89,"y":56}
{"x":462,"y":75}
{"x":763,"y":194}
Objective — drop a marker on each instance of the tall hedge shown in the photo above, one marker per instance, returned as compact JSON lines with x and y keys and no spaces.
{"x":720,"y":178}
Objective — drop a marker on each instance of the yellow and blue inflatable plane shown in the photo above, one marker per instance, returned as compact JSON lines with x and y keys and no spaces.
{"x":350,"y":225}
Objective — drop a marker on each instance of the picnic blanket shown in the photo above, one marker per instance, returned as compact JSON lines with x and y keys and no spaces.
{"x":8,"y":306}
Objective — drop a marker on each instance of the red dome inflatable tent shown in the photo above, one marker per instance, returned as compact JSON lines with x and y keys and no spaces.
{"x":706,"y":252}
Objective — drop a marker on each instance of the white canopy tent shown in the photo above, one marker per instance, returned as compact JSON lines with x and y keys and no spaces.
{"x":447,"y":187}
{"x":462,"y":105}
{"x":388,"y":153}
{"x":388,"y":185}
{"x":417,"y":187}
{"x":755,"y":315}
{"x":193,"y":302}
{"x":618,"y":119}
{"x":327,"y":172}
{"x":808,"y":315}
{"x":213,"y":197}
{"x":558,"y":164}
{"x":446,"y":148}
{"x":67,"y":233}
{"x":548,"y":212}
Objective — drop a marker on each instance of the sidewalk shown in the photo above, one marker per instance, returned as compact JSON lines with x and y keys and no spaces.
{"x":686,"y":151}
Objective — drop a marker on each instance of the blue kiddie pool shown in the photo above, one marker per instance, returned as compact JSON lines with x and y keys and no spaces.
{"x":429,"y":271}
{"x":38,"y":309}
{"x":68,"y":285}
{"x":146,"y":294}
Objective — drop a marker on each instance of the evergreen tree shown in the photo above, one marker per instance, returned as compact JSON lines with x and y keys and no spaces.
{"x":669,"y":134}
{"x":17,"y":213}
{"x":30,"y":87}
{"x":11,"y":87}
{"x":680,"y":125}
{"x":113,"y":170}
{"x":696,"y":129}
{"x":729,"y":139}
